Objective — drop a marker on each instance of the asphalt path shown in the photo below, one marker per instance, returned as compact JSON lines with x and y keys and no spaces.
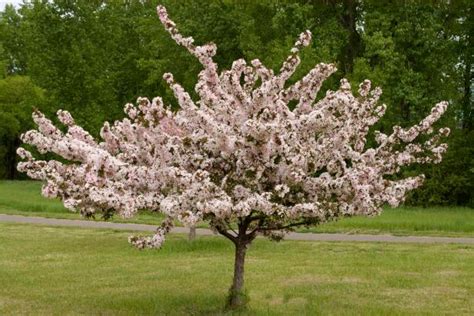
{"x":206,"y":232}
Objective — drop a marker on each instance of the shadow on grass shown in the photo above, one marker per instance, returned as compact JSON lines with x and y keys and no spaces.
{"x":199,"y":304}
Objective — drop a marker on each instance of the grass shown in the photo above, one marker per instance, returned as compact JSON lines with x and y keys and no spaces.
{"x":430,"y":221}
{"x":56,"y":271}
{"x":23,"y":198}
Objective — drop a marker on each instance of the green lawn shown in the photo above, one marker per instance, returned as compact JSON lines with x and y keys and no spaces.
{"x":432,"y":221}
{"x":56,"y":271}
{"x":23,"y":198}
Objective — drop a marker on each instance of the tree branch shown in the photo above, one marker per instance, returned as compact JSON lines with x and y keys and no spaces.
{"x":285,"y":226}
{"x":254,"y":231}
{"x":226,"y":234}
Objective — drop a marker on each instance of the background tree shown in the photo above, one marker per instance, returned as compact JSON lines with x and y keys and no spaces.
{"x":18,"y":97}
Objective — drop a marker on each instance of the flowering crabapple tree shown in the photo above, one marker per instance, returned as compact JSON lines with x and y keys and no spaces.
{"x":237,"y":158}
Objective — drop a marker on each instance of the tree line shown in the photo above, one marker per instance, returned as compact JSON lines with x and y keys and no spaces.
{"x":91,"y":57}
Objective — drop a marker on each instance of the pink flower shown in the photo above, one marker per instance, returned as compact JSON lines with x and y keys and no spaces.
{"x":238,"y":154}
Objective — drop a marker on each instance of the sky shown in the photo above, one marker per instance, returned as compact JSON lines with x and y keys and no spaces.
{"x":4,"y":2}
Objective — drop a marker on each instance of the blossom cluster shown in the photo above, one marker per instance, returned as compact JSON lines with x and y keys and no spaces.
{"x":237,"y":153}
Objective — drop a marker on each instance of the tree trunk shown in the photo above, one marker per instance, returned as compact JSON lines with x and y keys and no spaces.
{"x":467,"y":106}
{"x":349,"y":18}
{"x":236,"y":293}
{"x":13,"y":158}
{"x":192,"y":233}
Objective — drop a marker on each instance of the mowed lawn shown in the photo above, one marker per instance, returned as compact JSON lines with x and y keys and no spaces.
{"x":57,"y":271}
{"x":24,"y":198}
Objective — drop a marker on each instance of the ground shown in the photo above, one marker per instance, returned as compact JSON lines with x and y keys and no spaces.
{"x":51,"y":270}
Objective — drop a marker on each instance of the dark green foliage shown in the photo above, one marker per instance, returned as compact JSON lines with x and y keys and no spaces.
{"x":91,"y":57}
{"x":18,"y":97}
{"x":451,"y":182}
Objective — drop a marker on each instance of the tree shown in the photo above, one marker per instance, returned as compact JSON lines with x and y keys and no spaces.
{"x":238,"y":158}
{"x":18,"y":97}
{"x":417,"y":52}
{"x":13,"y":41}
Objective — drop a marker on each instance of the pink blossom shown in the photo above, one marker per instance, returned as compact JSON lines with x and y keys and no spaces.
{"x":238,"y":155}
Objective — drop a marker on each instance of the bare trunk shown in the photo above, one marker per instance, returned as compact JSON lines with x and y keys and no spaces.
{"x":236,"y":293}
{"x":241,"y":239}
{"x":349,"y":19}
{"x":10,"y":160}
{"x":467,"y":106}
{"x":192,"y":233}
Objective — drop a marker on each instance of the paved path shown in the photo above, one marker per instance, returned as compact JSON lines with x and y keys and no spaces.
{"x":207,"y":232}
